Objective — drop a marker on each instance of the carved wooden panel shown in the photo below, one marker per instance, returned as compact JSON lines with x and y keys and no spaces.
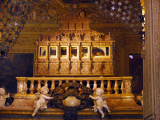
{"x":64,"y":68}
{"x":72,"y":25}
{"x":35,"y":68}
{"x":107,"y":68}
{"x":86,"y":68}
{"x":75,"y":68}
{"x":79,"y":25}
{"x":53,"y":68}
{"x":42,"y":68}
{"x":97,"y":68}
{"x":64,"y":25}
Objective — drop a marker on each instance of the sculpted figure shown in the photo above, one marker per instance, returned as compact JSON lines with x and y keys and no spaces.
{"x":43,"y":100}
{"x":3,"y":97}
{"x":99,"y":101}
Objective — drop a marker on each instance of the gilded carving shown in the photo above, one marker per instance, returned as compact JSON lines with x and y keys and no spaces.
{"x":97,"y":68}
{"x":64,"y":68}
{"x":86,"y":68}
{"x":53,"y":68}
{"x":73,"y":89}
{"x":42,"y":68}
{"x":107,"y":68}
{"x":76,"y":49}
{"x":127,"y":86}
{"x":75,"y":68}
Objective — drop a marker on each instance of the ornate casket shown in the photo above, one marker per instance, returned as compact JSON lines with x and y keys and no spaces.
{"x":74,"y":50}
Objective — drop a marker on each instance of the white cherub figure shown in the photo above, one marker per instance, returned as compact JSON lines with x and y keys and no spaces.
{"x":43,"y":100}
{"x":3,"y":97}
{"x":99,"y":101}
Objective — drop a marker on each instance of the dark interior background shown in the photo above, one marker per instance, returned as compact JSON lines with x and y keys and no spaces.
{"x":16,"y":65}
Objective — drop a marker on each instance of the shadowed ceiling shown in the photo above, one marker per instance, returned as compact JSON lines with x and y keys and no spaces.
{"x":15,"y":14}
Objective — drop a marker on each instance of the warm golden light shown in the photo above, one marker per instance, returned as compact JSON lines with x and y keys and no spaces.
{"x":143,"y":8}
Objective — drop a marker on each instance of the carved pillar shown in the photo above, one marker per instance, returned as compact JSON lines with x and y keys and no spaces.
{"x":68,"y":51}
{"x":36,"y":60}
{"x":151,"y":61}
{"x":78,"y":51}
{"x":127,"y":86}
{"x":89,"y":52}
{"x":21,"y":85}
{"x":58,"y":51}
{"x":58,"y":56}
{"x":48,"y":56}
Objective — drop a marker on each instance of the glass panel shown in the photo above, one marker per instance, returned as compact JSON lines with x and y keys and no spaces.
{"x":63,"y":51}
{"x":53,"y":52}
{"x":107,"y":51}
{"x":74,"y":52}
{"x":99,"y":51}
{"x":43,"y":51}
{"x":84,"y":52}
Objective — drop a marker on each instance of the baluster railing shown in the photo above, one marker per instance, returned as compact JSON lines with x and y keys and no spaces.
{"x":39,"y":86}
{"x":122,"y":87}
{"x":88,"y":85}
{"x":116,"y":87}
{"x":60,"y":82}
{"x":95,"y":84}
{"x":81,"y":82}
{"x":52,"y":85}
{"x":106,"y":83}
{"x":109,"y":87}
{"x":25,"y":86}
{"x":102,"y":84}
{"x":31,"y":87}
{"x":46,"y":83}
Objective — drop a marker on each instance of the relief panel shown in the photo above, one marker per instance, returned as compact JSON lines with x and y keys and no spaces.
{"x":97,"y":68}
{"x":86,"y":68}
{"x":107,"y":68}
{"x":42,"y":68}
{"x":53,"y":68}
{"x":75,"y":68}
{"x":64,"y":67}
